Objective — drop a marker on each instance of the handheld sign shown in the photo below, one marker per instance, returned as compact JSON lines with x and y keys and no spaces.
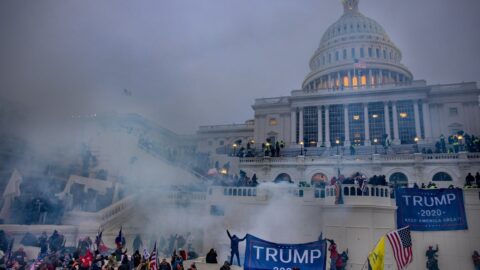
{"x":430,"y":209}
{"x":264,"y":255}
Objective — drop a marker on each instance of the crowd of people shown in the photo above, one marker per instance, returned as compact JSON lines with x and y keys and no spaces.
{"x":472,"y":181}
{"x":94,"y":254}
{"x":237,"y":180}
{"x":458,"y":142}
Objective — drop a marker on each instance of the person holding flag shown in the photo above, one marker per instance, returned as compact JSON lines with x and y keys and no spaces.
{"x":120,"y":242}
{"x":101,"y":247}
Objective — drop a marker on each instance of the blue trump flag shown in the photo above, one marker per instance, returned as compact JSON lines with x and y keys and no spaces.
{"x":431,"y":209}
{"x":264,"y":255}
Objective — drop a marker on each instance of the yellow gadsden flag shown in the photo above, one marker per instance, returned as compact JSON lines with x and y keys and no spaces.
{"x":375,"y":258}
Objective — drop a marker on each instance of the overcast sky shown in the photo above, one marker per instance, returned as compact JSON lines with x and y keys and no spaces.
{"x":199,"y":62}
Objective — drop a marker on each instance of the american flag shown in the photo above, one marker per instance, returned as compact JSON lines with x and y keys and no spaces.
{"x":364,"y":187}
{"x":153,"y":258}
{"x":359,"y":64}
{"x":401,"y":243}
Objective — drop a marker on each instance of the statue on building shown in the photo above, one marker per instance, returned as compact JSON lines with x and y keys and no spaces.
{"x":432,"y":261}
{"x":350,"y":5}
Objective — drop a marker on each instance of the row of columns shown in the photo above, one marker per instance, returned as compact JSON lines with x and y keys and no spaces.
{"x":367,"y":142}
{"x":381,"y":77}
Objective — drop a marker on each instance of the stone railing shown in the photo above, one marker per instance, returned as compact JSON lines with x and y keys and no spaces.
{"x":374,"y":157}
{"x":113,"y":210}
{"x":387,"y":86}
{"x":354,"y":195}
{"x":441,"y":156}
{"x":240,"y":191}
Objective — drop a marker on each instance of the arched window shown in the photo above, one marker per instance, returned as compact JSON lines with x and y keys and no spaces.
{"x":442,"y":176}
{"x":283,"y":177}
{"x":319,"y":180}
{"x":398,"y":179}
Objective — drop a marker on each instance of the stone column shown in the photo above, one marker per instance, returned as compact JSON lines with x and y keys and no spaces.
{"x":370,"y":77}
{"x":329,"y":81}
{"x":339,"y":80}
{"x":293,"y":139}
{"x":300,"y":120}
{"x":350,"y":81}
{"x":427,"y":125}
{"x":396,"y":136}
{"x":346,"y":125}
{"x":320,"y":138}
{"x":327,"y":127}
{"x":387,"y":121}
{"x":366,"y":123}
{"x":416,"y":112}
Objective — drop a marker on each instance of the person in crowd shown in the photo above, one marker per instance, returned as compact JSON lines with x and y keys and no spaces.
{"x":164,"y":265}
{"x":136,"y":258}
{"x":3,"y":265}
{"x":234,"y":241}
{"x":20,"y":256}
{"x":476,"y":260}
{"x":137,"y":242}
{"x":178,"y":263}
{"x":225,"y":266}
{"x":469,"y":179}
{"x":43,"y":242}
{"x":333,"y":254}
{"x":125,"y":264}
{"x":211,"y":256}
{"x":192,"y":266}
{"x":477,"y":179}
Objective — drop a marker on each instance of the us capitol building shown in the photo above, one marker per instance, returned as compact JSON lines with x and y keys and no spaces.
{"x":358,"y":93}
{"x":357,"y":98}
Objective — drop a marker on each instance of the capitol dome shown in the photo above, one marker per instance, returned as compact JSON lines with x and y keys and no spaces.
{"x":355,"y":52}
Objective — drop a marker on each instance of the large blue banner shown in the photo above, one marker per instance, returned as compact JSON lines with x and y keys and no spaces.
{"x":431,"y":209}
{"x":264,"y":255}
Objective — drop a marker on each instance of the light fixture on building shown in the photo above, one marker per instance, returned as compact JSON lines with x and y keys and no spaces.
{"x":374,"y":115}
{"x":223,"y":171}
{"x":403,"y":115}
{"x":337,"y":141}
{"x":356,"y":117}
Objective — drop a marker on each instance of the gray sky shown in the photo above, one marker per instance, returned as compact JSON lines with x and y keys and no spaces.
{"x":190,"y":63}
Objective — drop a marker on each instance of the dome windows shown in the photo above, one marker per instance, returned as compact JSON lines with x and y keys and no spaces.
{"x":344,"y":54}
